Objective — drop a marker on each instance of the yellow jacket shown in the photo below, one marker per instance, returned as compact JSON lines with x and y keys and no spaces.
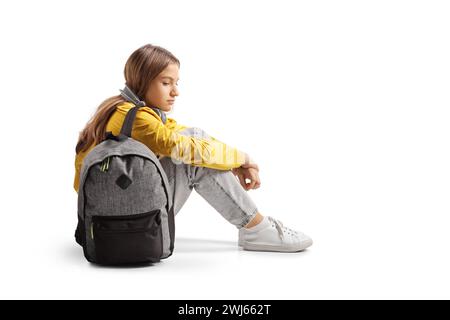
{"x":165,"y":140}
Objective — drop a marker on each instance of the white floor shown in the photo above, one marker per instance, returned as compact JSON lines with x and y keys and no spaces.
{"x":368,"y":258}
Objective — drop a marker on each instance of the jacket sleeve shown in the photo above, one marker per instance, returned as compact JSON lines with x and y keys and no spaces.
{"x":167,"y":141}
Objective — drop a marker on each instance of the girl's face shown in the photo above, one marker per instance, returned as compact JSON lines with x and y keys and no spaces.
{"x":164,"y":88}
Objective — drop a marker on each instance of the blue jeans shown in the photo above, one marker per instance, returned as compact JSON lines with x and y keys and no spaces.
{"x":220,"y":188}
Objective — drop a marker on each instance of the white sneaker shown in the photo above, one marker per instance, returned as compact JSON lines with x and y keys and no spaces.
{"x":271,"y":235}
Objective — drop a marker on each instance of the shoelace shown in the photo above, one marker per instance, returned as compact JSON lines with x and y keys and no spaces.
{"x":281,"y":229}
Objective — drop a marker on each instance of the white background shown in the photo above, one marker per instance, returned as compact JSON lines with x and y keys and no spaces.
{"x":344,"y":105}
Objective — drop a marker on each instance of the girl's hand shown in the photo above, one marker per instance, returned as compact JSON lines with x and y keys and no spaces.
{"x":250,"y":174}
{"x":250,"y":163}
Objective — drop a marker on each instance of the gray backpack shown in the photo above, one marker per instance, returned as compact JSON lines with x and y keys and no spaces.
{"x":125,"y":212}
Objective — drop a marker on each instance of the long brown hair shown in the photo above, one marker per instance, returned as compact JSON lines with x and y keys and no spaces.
{"x":141,"y":68}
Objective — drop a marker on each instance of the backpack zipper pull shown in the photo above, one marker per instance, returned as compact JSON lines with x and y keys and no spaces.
{"x":105,"y":165}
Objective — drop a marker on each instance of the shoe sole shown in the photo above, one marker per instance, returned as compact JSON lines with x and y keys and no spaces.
{"x":262,"y":247}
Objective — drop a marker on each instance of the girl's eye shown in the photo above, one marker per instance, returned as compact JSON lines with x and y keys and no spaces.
{"x":165,"y":83}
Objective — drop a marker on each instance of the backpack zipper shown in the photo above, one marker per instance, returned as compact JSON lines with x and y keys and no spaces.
{"x":92,"y":231}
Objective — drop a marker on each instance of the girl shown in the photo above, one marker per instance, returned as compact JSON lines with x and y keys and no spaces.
{"x":190,"y":157}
